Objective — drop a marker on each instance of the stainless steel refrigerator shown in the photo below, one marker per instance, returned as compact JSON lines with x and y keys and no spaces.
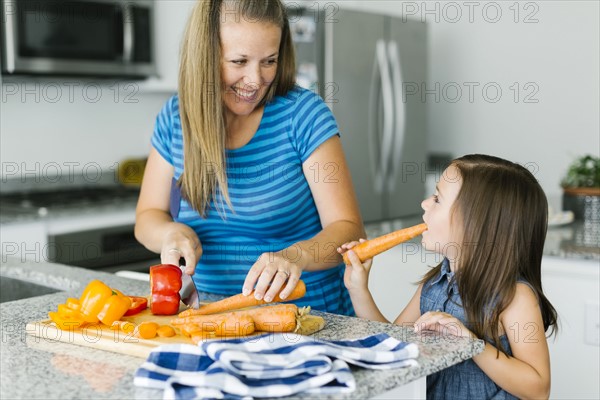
{"x":371,"y":70}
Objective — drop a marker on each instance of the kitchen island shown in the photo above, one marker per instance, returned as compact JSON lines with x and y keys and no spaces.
{"x":41,"y":368}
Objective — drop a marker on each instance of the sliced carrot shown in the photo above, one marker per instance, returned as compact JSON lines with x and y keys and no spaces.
{"x":371,"y":248}
{"x":165,"y":331}
{"x":240,"y":301}
{"x":147,"y":330}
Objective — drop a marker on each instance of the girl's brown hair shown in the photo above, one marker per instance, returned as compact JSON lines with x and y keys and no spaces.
{"x":504,"y":216}
{"x":200,"y":98}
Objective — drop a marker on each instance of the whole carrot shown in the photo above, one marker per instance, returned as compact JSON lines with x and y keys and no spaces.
{"x":240,"y":301}
{"x":234,"y":323}
{"x":275,"y":318}
{"x":371,"y":248}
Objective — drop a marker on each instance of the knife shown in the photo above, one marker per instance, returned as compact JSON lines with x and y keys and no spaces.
{"x":188,"y":292}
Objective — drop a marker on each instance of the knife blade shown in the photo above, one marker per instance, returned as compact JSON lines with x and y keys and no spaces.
{"x":188,"y":292}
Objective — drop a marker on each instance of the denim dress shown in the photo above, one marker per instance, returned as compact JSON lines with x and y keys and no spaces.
{"x":465,"y":380}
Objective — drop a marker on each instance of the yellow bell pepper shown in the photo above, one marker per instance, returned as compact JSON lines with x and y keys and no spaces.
{"x":98,"y":302}
{"x":114,"y":308}
{"x":72,"y":303}
{"x":92,"y":300}
{"x":68,"y":316}
{"x":69,"y":320}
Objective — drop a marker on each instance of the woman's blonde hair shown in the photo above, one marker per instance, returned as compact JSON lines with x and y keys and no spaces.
{"x":504,"y":216}
{"x":200,"y":94}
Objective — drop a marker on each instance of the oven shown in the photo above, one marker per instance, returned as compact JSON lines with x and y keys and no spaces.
{"x":111,"y":249}
{"x":89,"y":227}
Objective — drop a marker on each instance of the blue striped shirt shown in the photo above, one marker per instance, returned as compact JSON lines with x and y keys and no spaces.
{"x":273,"y":207}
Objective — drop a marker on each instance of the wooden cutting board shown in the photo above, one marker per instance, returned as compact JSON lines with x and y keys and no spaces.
{"x":101,"y":337}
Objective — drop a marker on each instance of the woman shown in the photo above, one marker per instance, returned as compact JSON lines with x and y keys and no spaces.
{"x":246,"y":179}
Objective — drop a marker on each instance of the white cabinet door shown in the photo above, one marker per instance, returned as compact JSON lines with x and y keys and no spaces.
{"x":572,"y":286}
{"x":394,"y":276}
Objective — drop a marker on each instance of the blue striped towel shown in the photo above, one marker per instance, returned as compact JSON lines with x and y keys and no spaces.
{"x":271,"y":365}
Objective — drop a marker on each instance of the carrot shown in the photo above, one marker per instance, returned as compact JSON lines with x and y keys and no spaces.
{"x":240,"y":301}
{"x":165,"y":331}
{"x":275,"y":318}
{"x":371,"y":248}
{"x":147,"y":330}
{"x":234,"y":323}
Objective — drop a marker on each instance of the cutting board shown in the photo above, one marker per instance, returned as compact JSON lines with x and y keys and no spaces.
{"x":101,"y":337}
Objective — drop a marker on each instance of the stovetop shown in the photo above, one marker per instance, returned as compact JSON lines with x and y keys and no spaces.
{"x":70,"y":198}
{"x":35,"y":204}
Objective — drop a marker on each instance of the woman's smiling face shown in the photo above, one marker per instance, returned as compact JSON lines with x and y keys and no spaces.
{"x":442,"y":234}
{"x":250,"y":50}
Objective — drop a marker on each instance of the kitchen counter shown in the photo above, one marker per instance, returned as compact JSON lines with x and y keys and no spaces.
{"x":41,"y":368}
{"x":579,"y":240}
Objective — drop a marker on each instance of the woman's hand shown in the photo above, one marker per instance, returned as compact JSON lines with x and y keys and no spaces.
{"x":181,"y":241}
{"x":443,"y":323}
{"x":270,"y":273}
{"x":356,"y":275}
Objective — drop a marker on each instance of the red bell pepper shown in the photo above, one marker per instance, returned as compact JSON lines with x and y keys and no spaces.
{"x":165,"y":283}
{"x":138,"y":304}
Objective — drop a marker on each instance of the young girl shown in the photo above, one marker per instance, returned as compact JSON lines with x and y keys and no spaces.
{"x":488,"y":219}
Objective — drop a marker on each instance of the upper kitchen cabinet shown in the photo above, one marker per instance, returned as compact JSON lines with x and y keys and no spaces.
{"x":171,"y":18}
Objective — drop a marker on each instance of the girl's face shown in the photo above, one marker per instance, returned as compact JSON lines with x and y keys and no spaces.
{"x":249,"y":62}
{"x":440,"y":236}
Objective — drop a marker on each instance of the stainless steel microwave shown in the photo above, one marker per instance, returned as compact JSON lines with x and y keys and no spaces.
{"x":100,"y":38}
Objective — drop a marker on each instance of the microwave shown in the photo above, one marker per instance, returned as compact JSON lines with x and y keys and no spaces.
{"x":99,"y":38}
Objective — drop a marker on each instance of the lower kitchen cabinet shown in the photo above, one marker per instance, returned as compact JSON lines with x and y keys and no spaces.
{"x":411,"y":391}
{"x":571,"y":285}
{"x":394,"y":276}
{"x":573,"y":288}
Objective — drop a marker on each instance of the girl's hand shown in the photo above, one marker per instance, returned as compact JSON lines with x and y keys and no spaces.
{"x":270,"y":273}
{"x":442,"y":322}
{"x":356,"y":275}
{"x":181,"y":241}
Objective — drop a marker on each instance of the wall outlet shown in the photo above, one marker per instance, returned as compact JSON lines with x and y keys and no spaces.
{"x":592,"y":324}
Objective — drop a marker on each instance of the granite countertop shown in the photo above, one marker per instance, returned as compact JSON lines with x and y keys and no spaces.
{"x":41,"y":368}
{"x":575,"y":240}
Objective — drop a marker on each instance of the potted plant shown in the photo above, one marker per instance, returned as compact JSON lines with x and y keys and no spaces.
{"x":581,"y":188}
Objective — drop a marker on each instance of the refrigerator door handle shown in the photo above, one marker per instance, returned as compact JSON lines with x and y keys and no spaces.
{"x":373,"y":125}
{"x":388,"y":112}
{"x":399,"y":113}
